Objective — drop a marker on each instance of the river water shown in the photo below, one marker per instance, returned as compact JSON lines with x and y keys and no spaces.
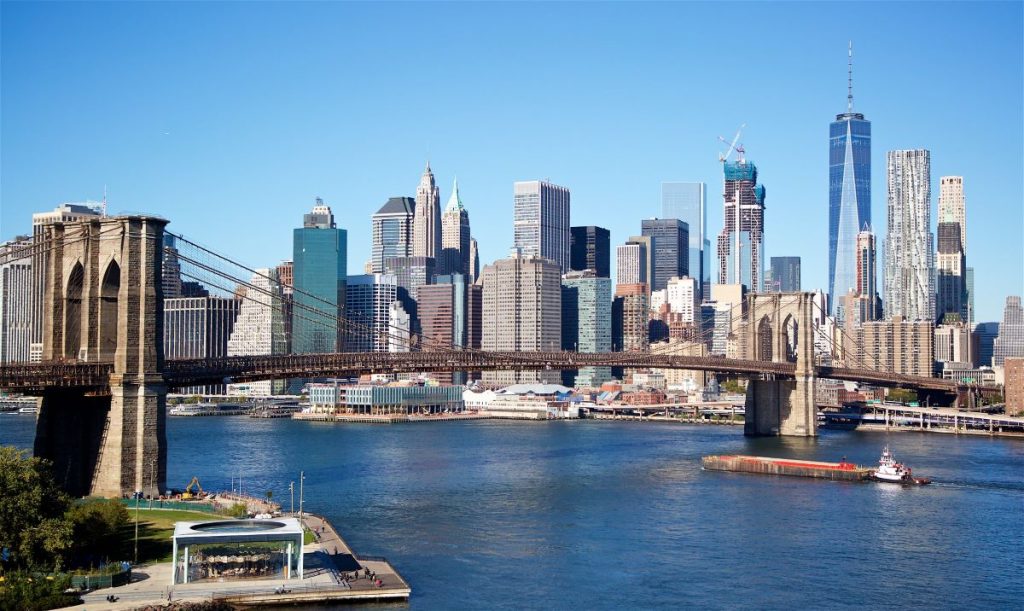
{"x":496,"y":514}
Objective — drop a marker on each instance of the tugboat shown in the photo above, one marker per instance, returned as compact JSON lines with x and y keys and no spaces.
{"x":897,"y":473}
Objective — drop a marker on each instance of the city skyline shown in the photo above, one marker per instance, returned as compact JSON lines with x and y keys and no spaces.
{"x":783,"y":135}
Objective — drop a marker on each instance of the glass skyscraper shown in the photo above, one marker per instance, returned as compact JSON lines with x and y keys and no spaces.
{"x":687,"y":201}
{"x":671,"y":239}
{"x":319,"y":255}
{"x":849,"y":195}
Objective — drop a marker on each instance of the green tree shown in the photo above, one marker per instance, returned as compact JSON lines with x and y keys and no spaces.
{"x":34,"y":531}
{"x":98,"y":526}
{"x":901,"y":395}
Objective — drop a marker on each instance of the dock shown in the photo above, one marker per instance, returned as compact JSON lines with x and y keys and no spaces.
{"x":762,"y":465}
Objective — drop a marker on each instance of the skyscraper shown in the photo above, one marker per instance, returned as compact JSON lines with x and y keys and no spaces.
{"x":368,"y":300}
{"x":474,"y":260}
{"x":199,"y":328}
{"x":866,"y":289}
{"x":15,"y":300}
{"x":683,"y":298}
{"x":849,"y":193}
{"x":687,"y":201}
{"x":785,"y":274}
{"x":392,"y":232}
{"x":522,"y":312}
{"x":319,"y":253}
{"x":542,"y":221}
{"x":631,"y":263}
{"x":741,"y":243}
{"x":671,"y":238}
{"x":427,"y":217}
{"x":455,"y":245}
{"x":1010,"y":341}
{"x":951,"y":263}
{"x":587,"y":322}
{"x":629,"y":318}
{"x":909,"y":253}
{"x":591,"y":249}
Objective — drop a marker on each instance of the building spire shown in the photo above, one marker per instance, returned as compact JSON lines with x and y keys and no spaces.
{"x":849,"y":80}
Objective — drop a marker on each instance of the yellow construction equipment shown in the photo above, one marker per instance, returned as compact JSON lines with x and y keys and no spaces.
{"x":188,"y":495}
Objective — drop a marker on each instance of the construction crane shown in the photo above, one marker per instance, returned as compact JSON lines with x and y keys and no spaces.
{"x":723,"y":157}
{"x":187,"y":495}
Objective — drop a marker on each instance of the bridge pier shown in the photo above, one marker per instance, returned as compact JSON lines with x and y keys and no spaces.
{"x":105,"y":300}
{"x":779,"y":325}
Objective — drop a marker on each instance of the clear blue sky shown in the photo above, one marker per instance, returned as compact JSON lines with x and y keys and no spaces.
{"x":230,"y":118}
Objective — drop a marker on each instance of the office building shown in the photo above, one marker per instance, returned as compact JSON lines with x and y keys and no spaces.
{"x":426,"y":231}
{"x":986,"y":334}
{"x":319,"y":268}
{"x":590,"y":248}
{"x":955,"y":342}
{"x":785,"y":274}
{"x":170,"y":268}
{"x":866,"y":287}
{"x":683,"y":298}
{"x":671,"y":250}
{"x":368,"y":300}
{"x":64,"y":213}
{"x":629,"y":318}
{"x":904,"y":347}
{"x":951,"y":262}
{"x":199,"y":328}
{"x":16,"y":300}
{"x":542,"y":221}
{"x":849,"y":194}
{"x":474,"y":260}
{"x":522,"y":312}
{"x":1010,"y":341}
{"x":586,"y":323}
{"x":455,"y":245}
{"x":259,"y":328}
{"x":687,"y":201}
{"x":631,"y":263}
{"x":950,"y":272}
{"x":969,"y":284}
{"x":399,"y":328}
{"x":392,"y":232}
{"x":909,"y":250}
{"x":410,"y":273}
{"x":741,"y":242}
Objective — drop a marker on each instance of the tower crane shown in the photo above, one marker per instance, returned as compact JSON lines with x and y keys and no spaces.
{"x":723,"y":157}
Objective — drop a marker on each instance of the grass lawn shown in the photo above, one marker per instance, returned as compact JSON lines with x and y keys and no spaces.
{"x":155,"y":529}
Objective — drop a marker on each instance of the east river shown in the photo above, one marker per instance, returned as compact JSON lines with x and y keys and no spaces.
{"x":494,"y":514}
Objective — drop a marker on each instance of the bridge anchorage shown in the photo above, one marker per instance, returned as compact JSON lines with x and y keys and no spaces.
{"x":104,"y":302}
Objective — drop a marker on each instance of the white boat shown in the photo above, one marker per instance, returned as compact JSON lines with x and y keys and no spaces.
{"x":891,"y":471}
{"x":28,"y":410}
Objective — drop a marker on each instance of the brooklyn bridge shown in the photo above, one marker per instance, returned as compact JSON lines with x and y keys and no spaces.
{"x":103,"y":378}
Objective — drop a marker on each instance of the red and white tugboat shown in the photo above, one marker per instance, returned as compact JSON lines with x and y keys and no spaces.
{"x":891,"y":471}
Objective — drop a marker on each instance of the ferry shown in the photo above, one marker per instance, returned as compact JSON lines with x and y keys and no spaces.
{"x":893,"y":472}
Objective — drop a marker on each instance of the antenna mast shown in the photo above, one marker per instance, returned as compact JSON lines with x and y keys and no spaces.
{"x":849,"y":81}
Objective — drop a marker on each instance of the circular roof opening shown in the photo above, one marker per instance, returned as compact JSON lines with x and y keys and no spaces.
{"x":238,"y":526}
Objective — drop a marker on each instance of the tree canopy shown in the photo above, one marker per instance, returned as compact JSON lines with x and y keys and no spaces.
{"x":34,"y":530}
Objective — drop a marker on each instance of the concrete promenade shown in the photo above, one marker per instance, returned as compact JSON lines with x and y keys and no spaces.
{"x":333,"y":573}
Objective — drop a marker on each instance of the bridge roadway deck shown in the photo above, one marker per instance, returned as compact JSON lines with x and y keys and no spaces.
{"x":34,"y":378}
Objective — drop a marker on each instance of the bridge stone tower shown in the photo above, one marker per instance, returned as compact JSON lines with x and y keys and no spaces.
{"x":104,"y":303}
{"x":780,"y":328}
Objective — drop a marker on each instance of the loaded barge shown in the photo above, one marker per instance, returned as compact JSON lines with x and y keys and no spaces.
{"x":843,"y":471}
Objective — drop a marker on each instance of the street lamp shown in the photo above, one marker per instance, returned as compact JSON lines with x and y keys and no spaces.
{"x":302,"y":480}
{"x":138,"y":493}
{"x":291,"y":504}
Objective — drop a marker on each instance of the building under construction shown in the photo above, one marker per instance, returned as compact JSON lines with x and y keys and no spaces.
{"x":741,"y":242}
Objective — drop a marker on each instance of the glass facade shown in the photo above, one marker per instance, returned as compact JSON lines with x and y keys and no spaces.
{"x":320,"y":269}
{"x":541,"y":220}
{"x":587,"y":324}
{"x":687,"y":201}
{"x":849,"y":199}
{"x":671,"y":258}
{"x":741,"y":242}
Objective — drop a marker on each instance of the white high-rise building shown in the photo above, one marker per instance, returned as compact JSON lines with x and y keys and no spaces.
{"x":629,"y":264}
{"x":909,"y":250}
{"x":259,"y":329}
{"x":426,"y":231}
{"x":542,"y":221}
{"x":368,"y":301}
{"x":683,"y":297}
{"x":15,"y":301}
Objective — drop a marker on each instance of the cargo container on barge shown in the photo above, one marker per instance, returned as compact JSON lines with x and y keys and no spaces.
{"x":843,"y":471}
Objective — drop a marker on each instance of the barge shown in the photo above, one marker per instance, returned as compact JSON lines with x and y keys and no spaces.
{"x":843,"y":471}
